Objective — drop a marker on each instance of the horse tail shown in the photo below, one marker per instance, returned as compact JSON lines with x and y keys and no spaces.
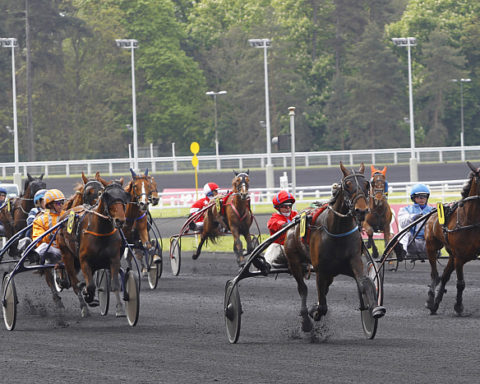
{"x":211,"y":226}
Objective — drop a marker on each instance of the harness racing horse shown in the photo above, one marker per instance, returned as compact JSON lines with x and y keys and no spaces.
{"x":334,"y":247}
{"x":379,"y":217}
{"x":235,"y":215}
{"x":23,"y":204}
{"x":142,"y":189}
{"x":86,"y":192}
{"x":460,"y":235}
{"x":91,"y":241}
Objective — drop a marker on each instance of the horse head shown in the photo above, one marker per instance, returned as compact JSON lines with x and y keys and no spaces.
{"x":473,"y":186}
{"x":33,"y":185}
{"x":240,"y":184}
{"x":143,"y":189}
{"x":113,"y":203}
{"x":378,"y":187}
{"x":355,"y":190}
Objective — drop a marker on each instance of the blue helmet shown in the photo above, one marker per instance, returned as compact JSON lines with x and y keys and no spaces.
{"x":419,"y":189}
{"x":3,"y":190}
{"x":39,"y":195}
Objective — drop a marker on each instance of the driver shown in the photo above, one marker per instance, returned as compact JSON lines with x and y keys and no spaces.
{"x":54,"y":201}
{"x":210,"y":190}
{"x":282,"y":202}
{"x":3,"y":196}
{"x":419,"y":195}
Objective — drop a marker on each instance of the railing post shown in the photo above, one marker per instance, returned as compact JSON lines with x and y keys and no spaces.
{"x":110,"y":168}
{"x":440,"y":156}
{"x":151,"y":156}
{"x":307,"y":161}
{"x":67,"y":169}
{"x":174,"y":159}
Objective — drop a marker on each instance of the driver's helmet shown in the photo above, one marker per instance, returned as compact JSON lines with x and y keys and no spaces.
{"x":53,"y":195}
{"x":3,"y":191}
{"x":209,"y":188}
{"x":283,"y":198}
{"x":419,"y":189}
{"x":40,"y":194}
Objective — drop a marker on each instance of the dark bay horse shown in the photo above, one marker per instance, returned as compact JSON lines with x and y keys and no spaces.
{"x":460,"y":235}
{"x":86,"y":192}
{"x":234,"y":214}
{"x":333,"y":246}
{"x":91,"y":241}
{"x":24,"y":203}
{"x":379,"y":217}
{"x":142,"y":190}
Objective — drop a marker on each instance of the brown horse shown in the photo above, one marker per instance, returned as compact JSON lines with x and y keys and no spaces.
{"x":460,"y":235}
{"x":235,"y":215}
{"x":379,"y":217}
{"x":142,"y":190}
{"x":333,"y":245}
{"x":91,"y":241}
{"x":86,"y":192}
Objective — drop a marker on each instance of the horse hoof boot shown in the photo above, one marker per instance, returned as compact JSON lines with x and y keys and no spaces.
{"x":157,"y":259}
{"x":120,"y":312}
{"x":378,"y":312}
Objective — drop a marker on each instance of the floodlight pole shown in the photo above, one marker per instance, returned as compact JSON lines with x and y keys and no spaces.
{"x":214,"y":94}
{"x":410,"y":42}
{"x":11,"y":42}
{"x":132,"y":44}
{"x":265,"y":44}
{"x":462,"y":131}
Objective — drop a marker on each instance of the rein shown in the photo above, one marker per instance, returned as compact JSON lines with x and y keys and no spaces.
{"x":344,"y":234}
{"x":459,"y":227}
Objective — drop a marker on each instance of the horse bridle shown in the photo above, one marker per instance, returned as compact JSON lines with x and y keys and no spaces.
{"x":357,"y":194}
{"x":92,"y":184}
{"x":137,"y":198}
{"x":110,"y":200}
{"x":375,"y":189}
{"x":243,"y":184}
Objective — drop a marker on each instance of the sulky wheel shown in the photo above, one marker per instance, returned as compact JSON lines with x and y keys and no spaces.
{"x":154,"y":264}
{"x":369,"y":322}
{"x":132,"y":298}
{"x":233,"y":311}
{"x":9,"y":303}
{"x":175,"y":255}
{"x":102,"y":281}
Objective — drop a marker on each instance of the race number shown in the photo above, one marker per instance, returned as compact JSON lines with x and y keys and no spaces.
{"x":303,"y":224}
{"x":70,"y":221}
{"x":440,"y":214}
{"x":218,"y":204}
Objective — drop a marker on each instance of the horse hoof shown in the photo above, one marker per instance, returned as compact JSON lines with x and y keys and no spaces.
{"x":458,"y":309}
{"x":378,"y":312}
{"x":157,"y":259}
{"x":84,"y":312}
{"x":93,"y":303}
{"x":307,"y":325}
{"x":120,"y":312}
{"x":195,"y":256}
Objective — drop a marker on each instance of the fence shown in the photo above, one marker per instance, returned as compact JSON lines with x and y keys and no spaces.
{"x":243,"y":161}
{"x":398,"y":193}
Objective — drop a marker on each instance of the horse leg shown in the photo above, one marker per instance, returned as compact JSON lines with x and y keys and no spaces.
{"x":458,"y":307}
{"x":321,"y":308}
{"x":366,"y":290}
{"x":297,"y":271}
{"x":56,"y":297}
{"x":199,"y":248}
{"x":114,"y":272}
{"x":68,"y":262}
{"x":238,"y":247}
{"x":88,"y":290}
{"x":440,"y":291}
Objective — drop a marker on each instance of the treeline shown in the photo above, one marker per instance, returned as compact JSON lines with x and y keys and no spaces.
{"x":332,"y":59}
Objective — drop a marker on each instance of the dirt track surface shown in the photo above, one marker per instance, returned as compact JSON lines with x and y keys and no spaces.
{"x":180,"y":336}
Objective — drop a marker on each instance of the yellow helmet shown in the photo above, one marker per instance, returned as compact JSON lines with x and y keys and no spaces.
{"x":53,"y":195}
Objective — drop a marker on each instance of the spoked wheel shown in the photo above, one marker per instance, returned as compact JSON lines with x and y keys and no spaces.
{"x":102,"y":281}
{"x":369,"y":321}
{"x":232,"y":308}
{"x":132,"y":298}
{"x":175,"y":255}
{"x":154,"y":264}
{"x":9,"y":304}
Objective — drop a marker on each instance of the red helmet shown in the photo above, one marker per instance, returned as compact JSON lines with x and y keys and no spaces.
{"x":282,"y":198}
{"x":209,"y":188}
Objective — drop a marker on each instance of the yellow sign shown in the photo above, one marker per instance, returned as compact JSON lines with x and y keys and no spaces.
{"x":303,"y":224}
{"x":195,"y":161}
{"x":71,"y":219}
{"x":440,"y":214}
{"x":194,"y":147}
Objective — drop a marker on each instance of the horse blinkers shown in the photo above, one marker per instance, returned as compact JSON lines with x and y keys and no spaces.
{"x":356,"y":196}
{"x":241,"y":183}
{"x":92,"y":192}
{"x":115,"y":197}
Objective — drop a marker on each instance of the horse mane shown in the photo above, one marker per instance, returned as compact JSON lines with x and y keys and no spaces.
{"x":467,"y":185}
